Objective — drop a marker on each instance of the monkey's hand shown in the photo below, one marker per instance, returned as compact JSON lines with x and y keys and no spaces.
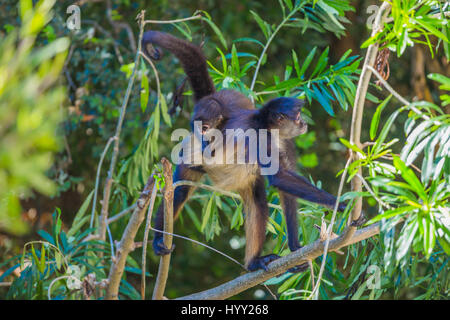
{"x":342,"y":206}
{"x":261,"y":262}
{"x":159,"y":247}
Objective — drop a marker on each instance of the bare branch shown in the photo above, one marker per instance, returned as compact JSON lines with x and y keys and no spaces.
{"x":358,"y":111}
{"x":97,"y":179}
{"x":173,"y":21}
{"x":109,"y":179}
{"x":144,"y":249}
{"x":164,"y":263}
{"x":126,"y":244}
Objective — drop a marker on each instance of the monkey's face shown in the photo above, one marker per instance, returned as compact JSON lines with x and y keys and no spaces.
{"x":289,"y":122}
{"x":284,"y":114}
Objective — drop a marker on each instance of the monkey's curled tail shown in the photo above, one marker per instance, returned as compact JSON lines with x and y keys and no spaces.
{"x":190,"y":56}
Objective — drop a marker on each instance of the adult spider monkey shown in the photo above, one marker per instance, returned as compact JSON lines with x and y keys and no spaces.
{"x":229,"y":109}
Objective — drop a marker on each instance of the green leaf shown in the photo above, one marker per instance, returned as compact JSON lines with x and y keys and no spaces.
{"x":216,"y":31}
{"x":246,"y":39}
{"x":351,"y":146}
{"x":164,"y":111}
{"x":391,"y":213}
{"x":234,"y":60}
{"x":144,"y":92}
{"x":307,"y":62}
{"x":410,"y":178}
{"x":42,"y":260}
{"x":296,"y":65}
{"x":407,"y":236}
{"x":207,"y":212}
{"x":385,"y":131}
{"x":78,"y":221}
{"x":322,"y":63}
{"x":262,"y":24}
{"x":376,"y":117}
{"x":428,"y":26}
{"x":323,"y":101}
{"x":288,"y":4}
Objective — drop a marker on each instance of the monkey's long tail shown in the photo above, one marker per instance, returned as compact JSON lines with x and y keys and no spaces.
{"x":191,"y":57}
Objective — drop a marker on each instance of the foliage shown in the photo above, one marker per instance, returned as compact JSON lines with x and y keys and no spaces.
{"x":30,"y":100}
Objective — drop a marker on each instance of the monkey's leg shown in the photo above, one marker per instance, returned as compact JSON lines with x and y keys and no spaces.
{"x":257,"y":213}
{"x":289,"y":204}
{"x":181,"y":195}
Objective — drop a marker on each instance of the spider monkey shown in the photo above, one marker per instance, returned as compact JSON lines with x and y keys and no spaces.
{"x":229,"y":109}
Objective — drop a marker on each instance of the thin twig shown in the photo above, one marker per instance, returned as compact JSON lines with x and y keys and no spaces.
{"x":315,"y":291}
{"x":173,"y":21}
{"x":366,"y":185}
{"x":272,"y":36}
{"x":122,"y":25}
{"x":399,"y":97}
{"x":97,"y":179}
{"x":121,"y":213}
{"x":109,"y":179}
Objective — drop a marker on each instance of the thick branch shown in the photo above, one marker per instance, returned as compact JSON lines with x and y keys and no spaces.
{"x":358,"y":111}
{"x":164,"y":263}
{"x":126,"y":244}
{"x":280,"y":266}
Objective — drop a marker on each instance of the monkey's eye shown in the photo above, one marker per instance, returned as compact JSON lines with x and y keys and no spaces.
{"x":205,"y":128}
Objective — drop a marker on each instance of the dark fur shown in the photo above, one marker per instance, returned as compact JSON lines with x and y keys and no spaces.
{"x":229,"y":109}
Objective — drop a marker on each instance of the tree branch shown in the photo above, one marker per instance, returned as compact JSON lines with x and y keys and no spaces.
{"x":280,"y":266}
{"x":164,"y":263}
{"x":126,"y":244}
{"x":358,"y":111}
{"x":109,"y":179}
{"x":144,"y":247}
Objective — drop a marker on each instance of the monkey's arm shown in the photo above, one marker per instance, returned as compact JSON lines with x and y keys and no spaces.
{"x":298,"y":186}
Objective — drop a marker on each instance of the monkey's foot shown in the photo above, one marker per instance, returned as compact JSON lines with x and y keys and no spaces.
{"x":360,"y":221}
{"x":300,"y":268}
{"x":160,"y":248}
{"x":262,"y":262}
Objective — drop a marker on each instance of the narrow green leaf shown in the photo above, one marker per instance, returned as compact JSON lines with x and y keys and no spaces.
{"x":390,"y":213}
{"x":262,"y":24}
{"x":217,"y":31}
{"x":144,"y":92}
{"x":351,"y":146}
{"x":376,"y":117}
{"x":410,"y":178}
{"x":307,"y":62}
{"x":164,"y":111}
